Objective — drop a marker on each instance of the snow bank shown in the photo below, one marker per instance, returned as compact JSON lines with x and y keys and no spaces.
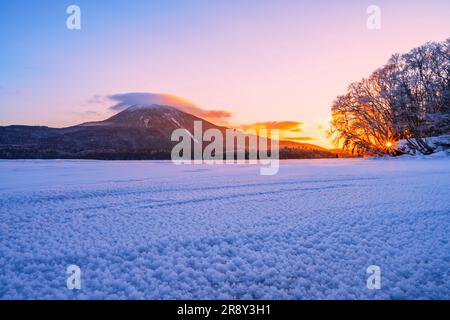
{"x":158,"y":231}
{"x":441,"y":145}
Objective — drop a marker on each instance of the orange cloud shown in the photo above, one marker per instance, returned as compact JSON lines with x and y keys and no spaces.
{"x":300,"y":138}
{"x":292,"y":126}
{"x":288,"y":130}
{"x":217,"y":116}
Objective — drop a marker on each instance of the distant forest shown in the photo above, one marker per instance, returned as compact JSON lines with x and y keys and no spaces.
{"x":141,"y":154}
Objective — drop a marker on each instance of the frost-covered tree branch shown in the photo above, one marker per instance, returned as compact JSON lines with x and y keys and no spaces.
{"x":408,"y":98}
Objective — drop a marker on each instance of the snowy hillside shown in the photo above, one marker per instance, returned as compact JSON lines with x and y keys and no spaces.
{"x":154,"y":230}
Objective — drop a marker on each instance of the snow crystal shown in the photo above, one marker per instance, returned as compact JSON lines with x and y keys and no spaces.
{"x":153,"y":230}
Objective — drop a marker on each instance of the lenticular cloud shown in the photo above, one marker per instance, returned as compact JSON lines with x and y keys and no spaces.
{"x":126,"y":100}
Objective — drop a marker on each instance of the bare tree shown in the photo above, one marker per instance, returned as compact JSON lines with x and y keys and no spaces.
{"x":408,"y":98}
{"x":363,"y":119}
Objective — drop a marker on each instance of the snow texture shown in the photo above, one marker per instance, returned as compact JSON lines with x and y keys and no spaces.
{"x":440,"y":144}
{"x":153,"y":230}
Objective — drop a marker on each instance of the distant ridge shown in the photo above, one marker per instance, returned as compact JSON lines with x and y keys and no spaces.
{"x":142,"y":131}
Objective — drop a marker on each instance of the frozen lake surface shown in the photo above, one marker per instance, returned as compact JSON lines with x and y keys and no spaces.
{"x":141,"y":229}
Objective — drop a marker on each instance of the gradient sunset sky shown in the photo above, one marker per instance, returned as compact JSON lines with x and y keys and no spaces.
{"x":259,"y":60}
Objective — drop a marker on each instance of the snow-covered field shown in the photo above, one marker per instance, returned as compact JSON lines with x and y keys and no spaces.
{"x":154,"y":230}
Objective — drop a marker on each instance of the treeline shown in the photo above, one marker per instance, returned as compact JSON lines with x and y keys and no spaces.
{"x":407,"y":99}
{"x":27,"y":152}
{"x":48,"y":153}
